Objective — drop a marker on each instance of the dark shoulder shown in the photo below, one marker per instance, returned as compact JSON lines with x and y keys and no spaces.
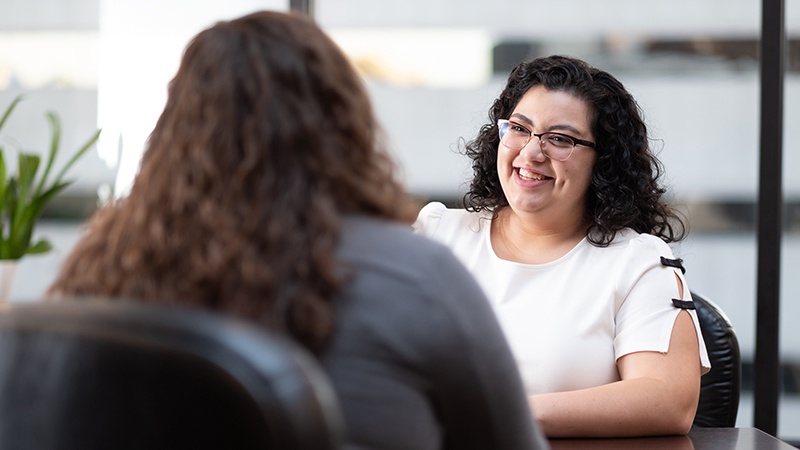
{"x":382,"y":243}
{"x":396,"y":273}
{"x":385,"y":255}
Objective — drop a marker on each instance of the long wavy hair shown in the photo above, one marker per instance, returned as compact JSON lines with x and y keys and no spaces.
{"x":625,"y":190}
{"x":267,"y":139}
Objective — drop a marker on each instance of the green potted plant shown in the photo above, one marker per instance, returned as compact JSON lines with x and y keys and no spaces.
{"x":24,"y":194}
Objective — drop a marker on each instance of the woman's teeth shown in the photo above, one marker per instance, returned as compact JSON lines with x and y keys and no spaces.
{"x":527,"y":175}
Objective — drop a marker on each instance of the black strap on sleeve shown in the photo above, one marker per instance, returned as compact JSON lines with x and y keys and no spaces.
{"x":683,"y":304}
{"x":676,"y":263}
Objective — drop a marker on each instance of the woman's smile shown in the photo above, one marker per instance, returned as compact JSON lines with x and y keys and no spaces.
{"x":529,"y":175}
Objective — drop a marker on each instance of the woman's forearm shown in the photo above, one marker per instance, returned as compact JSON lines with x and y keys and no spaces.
{"x":637,"y":407}
{"x":658,"y":395}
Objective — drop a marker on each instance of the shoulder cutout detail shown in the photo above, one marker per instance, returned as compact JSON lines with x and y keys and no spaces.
{"x":683,"y":304}
{"x":677,"y":263}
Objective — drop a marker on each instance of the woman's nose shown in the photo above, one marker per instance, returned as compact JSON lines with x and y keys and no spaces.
{"x":532,"y":151}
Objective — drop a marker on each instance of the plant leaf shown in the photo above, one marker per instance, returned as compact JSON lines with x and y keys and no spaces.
{"x":77,"y":156}
{"x":20,"y":204}
{"x":55,"y":139}
{"x":20,"y":243}
{"x":26,"y":172}
{"x":10,"y":108}
{"x":34,"y":209}
{"x":20,"y":228}
{"x":10,"y":204}
{"x":3,"y":189}
{"x":43,"y":246}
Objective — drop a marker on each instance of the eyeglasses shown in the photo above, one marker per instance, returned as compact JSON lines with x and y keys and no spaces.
{"x":556,"y":146}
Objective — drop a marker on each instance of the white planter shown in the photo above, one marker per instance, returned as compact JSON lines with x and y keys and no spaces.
{"x":8,"y":271}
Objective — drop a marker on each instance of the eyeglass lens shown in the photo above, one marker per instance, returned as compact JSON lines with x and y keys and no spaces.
{"x":553,"y":145}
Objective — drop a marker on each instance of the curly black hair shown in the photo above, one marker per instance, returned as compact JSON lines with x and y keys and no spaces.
{"x":625,"y":191}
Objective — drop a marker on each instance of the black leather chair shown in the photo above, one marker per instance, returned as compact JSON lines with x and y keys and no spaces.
{"x":721,"y":387}
{"x":97,"y":375}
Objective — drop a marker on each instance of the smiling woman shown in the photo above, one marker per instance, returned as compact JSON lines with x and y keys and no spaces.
{"x":567,"y":234}
{"x":546,"y":178}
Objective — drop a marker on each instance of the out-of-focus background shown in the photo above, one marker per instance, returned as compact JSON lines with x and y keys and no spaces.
{"x":433,"y":68}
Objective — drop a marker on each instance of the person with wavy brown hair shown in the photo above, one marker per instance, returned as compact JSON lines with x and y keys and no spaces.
{"x":566,"y":227}
{"x":265,"y":192}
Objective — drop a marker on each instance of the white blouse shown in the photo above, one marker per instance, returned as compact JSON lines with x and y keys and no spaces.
{"x":569,"y":320}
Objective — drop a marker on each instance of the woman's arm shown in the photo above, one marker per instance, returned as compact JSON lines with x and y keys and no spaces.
{"x":657,"y":395}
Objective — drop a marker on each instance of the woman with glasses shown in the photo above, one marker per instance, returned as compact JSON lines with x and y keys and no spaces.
{"x":566,"y":229}
{"x":265,"y":193}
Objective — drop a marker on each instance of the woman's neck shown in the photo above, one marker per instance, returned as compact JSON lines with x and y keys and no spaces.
{"x":525,"y":239}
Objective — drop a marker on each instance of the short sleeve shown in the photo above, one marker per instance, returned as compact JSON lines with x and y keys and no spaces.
{"x":646,"y":317}
{"x":429,"y":218}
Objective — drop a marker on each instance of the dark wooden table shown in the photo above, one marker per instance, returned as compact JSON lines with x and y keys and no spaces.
{"x":697,"y":439}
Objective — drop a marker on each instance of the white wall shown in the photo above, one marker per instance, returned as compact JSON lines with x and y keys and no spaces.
{"x":141,"y":46}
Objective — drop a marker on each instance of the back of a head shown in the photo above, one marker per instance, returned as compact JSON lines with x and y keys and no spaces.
{"x":266,"y":140}
{"x":274,"y":105}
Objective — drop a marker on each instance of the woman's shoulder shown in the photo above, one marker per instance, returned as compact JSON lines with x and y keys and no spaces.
{"x":435,"y":219}
{"x":426,"y":275}
{"x":628,"y":238}
{"x":636,"y":248}
{"x":432,"y":211}
{"x":395,"y":247}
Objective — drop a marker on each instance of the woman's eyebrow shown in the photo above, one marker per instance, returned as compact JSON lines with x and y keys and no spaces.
{"x":523,"y":118}
{"x":562,"y":127}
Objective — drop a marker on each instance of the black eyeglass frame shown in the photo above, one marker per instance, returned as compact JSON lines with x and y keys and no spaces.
{"x":575,"y":141}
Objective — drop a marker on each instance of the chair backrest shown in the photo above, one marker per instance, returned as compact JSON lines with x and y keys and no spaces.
{"x":720,"y":388}
{"x":100,"y":375}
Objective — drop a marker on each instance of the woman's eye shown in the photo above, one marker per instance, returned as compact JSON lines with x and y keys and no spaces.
{"x":561,"y":141}
{"x":519,"y":129}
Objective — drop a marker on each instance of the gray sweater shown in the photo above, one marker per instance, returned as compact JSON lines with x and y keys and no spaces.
{"x":418,"y":359}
